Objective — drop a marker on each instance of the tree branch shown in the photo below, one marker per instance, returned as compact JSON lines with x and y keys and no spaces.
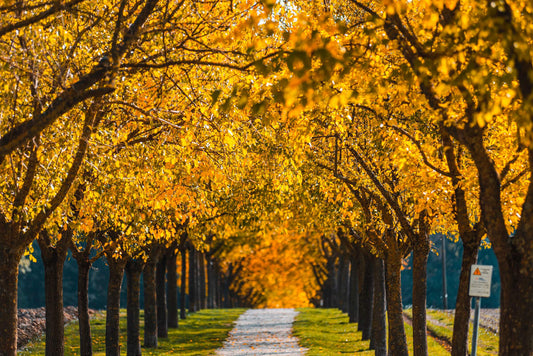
{"x":56,"y":7}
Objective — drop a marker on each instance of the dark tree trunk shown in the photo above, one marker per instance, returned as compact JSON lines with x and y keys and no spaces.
{"x":516,"y":303}
{"x":463,"y":303}
{"x":353,"y":311}
{"x":112,"y":327}
{"x":133,"y":274}
{"x":172,"y":290}
{"x":471,"y":237}
{"x":160,"y":280}
{"x":86,"y":348}
{"x":397,"y":338}
{"x":220,"y":296}
{"x":343,"y":278}
{"x":53,"y":259}
{"x":9,"y":262}
{"x":193,"y":288}
{"x":420,"y":259}
{"x":330,"y":285}
{"x":367,"y":297}
{"x":211,"y":284}
{"x":183,"y":288}
{"x":514,"y":254}
{"x":379,"y":329}
{"x":201,"y":278}
{"x":150,"y":303}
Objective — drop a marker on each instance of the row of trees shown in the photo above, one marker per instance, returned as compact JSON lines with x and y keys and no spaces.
{"x":259,"y":125}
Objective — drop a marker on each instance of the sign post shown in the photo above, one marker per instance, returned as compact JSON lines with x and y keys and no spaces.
{"x":480,"y":283}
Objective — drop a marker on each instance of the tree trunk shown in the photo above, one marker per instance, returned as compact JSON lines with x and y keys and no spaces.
{"x":220,"y":297}
{"x":211,"y":284}
{"x":53,"y":260}
{"x":379,"y":329}
{"x":160,"y":280}
{"x":343,"y":277}
{"x":9,"y":262}
{"x":514,"y":254}
{"x":183,"y":288}
{"x":133,"y":273}
{"x":353,"y":311}
{"x":150,"y":303}
{"x":193,"y":288}
{"x":112,"y":327}
{"x":516,"y":303}
{"x":367,"y":297}
{"x":463,"y":303}
{"x":201,"y":277}
{"x":397,"y":338}
{"x":420,"y":259}
{"x":330,"y":290}
{"x":172,"y":290}
{"x":86,"y":348}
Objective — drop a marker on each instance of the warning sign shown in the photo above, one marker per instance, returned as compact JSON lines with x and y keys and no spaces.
{"x":480,"y":281}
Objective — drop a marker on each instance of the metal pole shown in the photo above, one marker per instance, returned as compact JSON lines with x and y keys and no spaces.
{"x":444,"y":283}
{"x":476,"y":327}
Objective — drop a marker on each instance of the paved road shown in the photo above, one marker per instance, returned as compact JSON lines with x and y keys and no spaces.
{"x":263,"y":332}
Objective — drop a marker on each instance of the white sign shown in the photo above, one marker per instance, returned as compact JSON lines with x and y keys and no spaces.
{"x":480,"y":281}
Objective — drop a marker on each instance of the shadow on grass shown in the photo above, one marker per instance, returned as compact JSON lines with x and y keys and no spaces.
{"x":200,"y":334}
{"x":327,"y":332}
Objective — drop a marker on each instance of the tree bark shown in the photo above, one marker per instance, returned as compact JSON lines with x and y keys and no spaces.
{"x":193,"y":288}
{"x":514,"y":254}
{"x":150,"y":302}
{"x":463,"y":303}
{"x":53,"y":260}
{"x":183,"y":288}
{"x":379,"y":329}
{"x":516,"y":315}
{"x":134,"y":269}
{"x":367,"y":297}
{"x":343,"y":278}
{"x":172,"y":290}
{"x":353,"y":311}
{"x":112,"y":327}
{"x":86,"y":348}
{"x":201,"y":279}
{"x":162,"y":322}
{"x":9,"y":261}
{"x":471,"y":238}
{"x":211,"y":284}
{"x":420,"y":259}
{"x":397,"y":339}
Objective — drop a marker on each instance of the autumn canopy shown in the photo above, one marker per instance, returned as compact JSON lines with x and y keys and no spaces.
{"x":272,"y":140}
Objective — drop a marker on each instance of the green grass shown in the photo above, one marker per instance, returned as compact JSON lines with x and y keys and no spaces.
{"x":200,"y":334}
{"x":327,"y":332}
{"x":487,"y":341}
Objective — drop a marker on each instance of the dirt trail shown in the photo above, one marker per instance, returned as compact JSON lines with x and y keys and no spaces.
{"x":263,"y":332}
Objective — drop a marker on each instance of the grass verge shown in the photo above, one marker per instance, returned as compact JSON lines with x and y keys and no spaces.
{"x":327,"y":332}
{"x":487,"y":341}
{"x":200,"y":334}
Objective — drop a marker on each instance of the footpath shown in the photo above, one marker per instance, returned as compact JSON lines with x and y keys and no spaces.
{"x":263,"y":332}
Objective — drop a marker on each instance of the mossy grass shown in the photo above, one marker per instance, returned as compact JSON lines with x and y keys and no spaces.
{"x":327,"y":332}
{"x":200,"y":334}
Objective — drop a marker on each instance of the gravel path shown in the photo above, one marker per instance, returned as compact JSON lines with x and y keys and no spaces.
{"x":263,"y":332}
